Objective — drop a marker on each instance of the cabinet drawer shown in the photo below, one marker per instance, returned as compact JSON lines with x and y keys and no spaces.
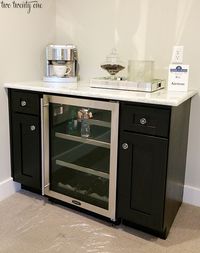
{"x":25,"y":102}
{"x":147,"y":120}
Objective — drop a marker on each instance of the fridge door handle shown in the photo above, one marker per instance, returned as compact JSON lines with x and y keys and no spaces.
{"x":45,"y":142}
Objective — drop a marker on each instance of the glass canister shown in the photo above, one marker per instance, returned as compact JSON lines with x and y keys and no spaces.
{"x":113,"y":64}
{"x":140,"y":71}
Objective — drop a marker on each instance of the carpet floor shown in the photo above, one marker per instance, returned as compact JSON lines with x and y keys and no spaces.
{"x":31,"y":224}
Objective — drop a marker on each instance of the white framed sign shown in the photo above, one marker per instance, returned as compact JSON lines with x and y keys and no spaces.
{"x":178,"y":77}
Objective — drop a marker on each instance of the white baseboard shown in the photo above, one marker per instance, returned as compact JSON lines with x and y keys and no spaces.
{"x":191,"y":195}
{"x":8,"y":187}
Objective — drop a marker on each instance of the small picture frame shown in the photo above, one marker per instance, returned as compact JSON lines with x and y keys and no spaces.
{"x":178,"y":77}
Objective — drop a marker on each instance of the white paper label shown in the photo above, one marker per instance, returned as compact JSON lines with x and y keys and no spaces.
{"x":178,"y":77}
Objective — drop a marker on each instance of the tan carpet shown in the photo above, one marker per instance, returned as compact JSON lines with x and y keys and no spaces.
{"x":29,"y":224}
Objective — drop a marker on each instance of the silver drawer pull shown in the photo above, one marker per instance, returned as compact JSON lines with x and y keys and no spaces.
{"x":23,"y":103}
{"x":125,"y":146}
{"x":143,"y":121}
{"x":32,"y":128}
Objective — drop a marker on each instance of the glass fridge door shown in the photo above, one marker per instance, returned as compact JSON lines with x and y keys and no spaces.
{"x":81,"y":152}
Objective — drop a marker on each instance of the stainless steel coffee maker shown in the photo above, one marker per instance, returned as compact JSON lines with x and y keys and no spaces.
{"x":61,"y":63}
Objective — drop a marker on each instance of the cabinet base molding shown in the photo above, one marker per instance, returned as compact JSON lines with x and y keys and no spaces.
{"x":8,"y":187}
{"x":160,"y":234}
{"x":31,"y":189}
{"x":191,"y":195}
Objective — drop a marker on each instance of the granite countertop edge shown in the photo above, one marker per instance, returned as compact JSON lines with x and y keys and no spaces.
{"x":82,"y":89}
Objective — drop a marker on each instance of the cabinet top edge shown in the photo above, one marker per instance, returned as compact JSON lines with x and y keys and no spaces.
{"x":82,"y":89}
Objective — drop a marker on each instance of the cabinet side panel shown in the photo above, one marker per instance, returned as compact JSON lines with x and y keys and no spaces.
{"x":10,"y":130}
{"x":176,"y":161}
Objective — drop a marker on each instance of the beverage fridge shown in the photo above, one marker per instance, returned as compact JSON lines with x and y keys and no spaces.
{"x":79,"y":152}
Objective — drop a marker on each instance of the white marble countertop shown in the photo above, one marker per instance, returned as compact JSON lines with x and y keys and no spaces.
{"x":82,"y":89}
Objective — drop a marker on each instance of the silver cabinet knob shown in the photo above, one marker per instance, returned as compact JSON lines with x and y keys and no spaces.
{"x":32,"y":128}
{"x":125,"y":146}
{"x":143,"y":121}
{"x":23,"y":103}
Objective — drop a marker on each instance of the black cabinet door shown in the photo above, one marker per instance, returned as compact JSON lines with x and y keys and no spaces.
{"x":141,"y":179}
{"x":26,"y":150}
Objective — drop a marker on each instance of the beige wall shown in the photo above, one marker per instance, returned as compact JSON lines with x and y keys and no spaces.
{"x":22,"y":41}
{"x":140,"y":29}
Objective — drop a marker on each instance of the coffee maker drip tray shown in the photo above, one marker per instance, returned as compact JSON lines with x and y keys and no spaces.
{"x":104,"y":83}
{"x":55,"y":79}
